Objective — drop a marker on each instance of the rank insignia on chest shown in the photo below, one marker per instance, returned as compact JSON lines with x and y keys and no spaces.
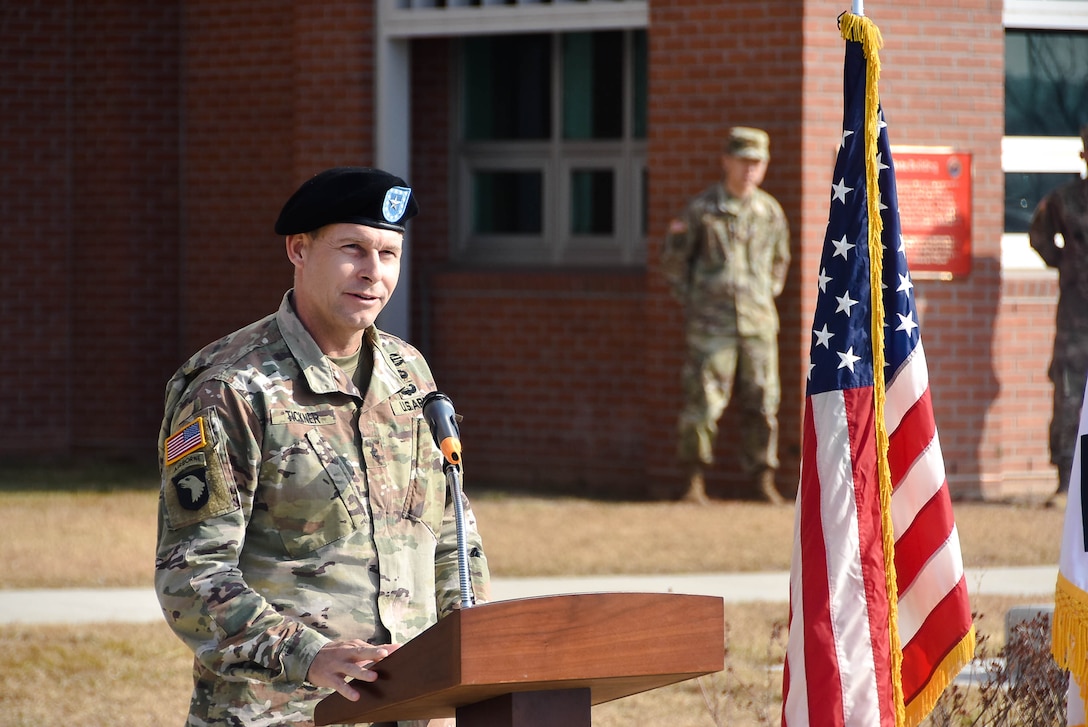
{"x":187,"y":439}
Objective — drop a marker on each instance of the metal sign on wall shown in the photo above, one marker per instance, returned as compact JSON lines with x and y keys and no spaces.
{"x":934,"y":191}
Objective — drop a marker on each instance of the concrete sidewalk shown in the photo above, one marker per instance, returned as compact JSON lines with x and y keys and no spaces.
{"x":138,"y":605}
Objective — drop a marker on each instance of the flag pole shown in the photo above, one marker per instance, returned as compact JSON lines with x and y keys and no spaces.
{"x":859,"y":7}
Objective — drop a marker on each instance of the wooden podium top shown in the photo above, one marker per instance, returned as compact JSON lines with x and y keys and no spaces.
{"x":615,"y":644}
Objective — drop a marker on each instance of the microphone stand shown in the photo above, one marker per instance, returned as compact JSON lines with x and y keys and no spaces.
{"x":453,"y":482}
{"x":442,"y":420}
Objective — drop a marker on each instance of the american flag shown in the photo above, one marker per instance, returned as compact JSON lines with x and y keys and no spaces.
{"x":184,"y":441}
{"x":880,"y":620}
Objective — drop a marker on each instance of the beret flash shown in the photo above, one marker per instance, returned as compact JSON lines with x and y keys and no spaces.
{"x":356,"y":195}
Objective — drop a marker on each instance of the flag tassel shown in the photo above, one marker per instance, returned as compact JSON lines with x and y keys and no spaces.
{"x":924,"y":702}
{"x":862,"y":30}
{"x":1069,"y":640}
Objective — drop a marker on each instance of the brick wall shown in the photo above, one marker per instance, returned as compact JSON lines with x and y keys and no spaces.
{"x":35,"y":88}
{"x":242,"y":89}
{"x":942,"y":84}
{"x":1023,"y":340}
{"x":148,"y":148}
{"x":715,"y":65}
{"x":149,"y":145}
{"x":124,"y":178}
{"x":273,"y":93}
{"x":545,"y":367}
{"x":89,"y":194}
{"x":547,"y":370}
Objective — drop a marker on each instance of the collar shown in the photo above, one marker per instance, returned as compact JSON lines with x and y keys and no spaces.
{"x":728,"y":202}
{"x":321,"y":375}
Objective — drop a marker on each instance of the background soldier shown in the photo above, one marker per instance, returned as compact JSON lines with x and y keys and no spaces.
{"x":1064,"y":212}
{"x":304,"y":523}
{"x":726,"y":259}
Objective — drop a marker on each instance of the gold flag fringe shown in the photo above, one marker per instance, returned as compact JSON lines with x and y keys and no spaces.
{"x":1069,"y":631}
{"x":860,"y":29}
{"x":922,"y":704}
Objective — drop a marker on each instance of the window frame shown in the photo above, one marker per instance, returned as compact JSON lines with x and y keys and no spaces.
{"x":554,"y":158}
{"x":1038,"y":154}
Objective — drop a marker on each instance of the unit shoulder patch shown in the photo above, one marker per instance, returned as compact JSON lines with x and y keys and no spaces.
{"x":191,"y":488}
{"x":195,"y":485}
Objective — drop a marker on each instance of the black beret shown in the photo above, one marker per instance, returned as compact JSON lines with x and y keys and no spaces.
{"x":357,"y":195}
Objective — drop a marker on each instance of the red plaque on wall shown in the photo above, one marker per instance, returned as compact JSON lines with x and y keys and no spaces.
{"x":934,"y":191}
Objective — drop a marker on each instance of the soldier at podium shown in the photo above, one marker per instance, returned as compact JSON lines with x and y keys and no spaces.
{"x":305,"y":527}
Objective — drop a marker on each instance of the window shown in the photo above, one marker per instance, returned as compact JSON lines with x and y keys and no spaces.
{"x":1046,"y":103}
{"x":1046,"y":94}
{"x":1046,"y":82}
{"x":1023,"y":190}
{"x":551,"y":152}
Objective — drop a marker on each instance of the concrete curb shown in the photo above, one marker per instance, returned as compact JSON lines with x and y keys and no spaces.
{"x":139,"y":605}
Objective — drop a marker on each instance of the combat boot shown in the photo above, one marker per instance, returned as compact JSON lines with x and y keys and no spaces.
{"x":696,"y":487}
{"x":1058,"y":499}
{"x":767,"y":489}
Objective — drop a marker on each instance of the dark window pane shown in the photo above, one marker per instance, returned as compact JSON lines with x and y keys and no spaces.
{"x":593,"y":85}
{"x":1023,"y":192}
{"x":507,"y":202}
{"x":507,"y":87}
{"x":592,"y":202}
{"x":640,"y":64}
{"x":1046,"y":82}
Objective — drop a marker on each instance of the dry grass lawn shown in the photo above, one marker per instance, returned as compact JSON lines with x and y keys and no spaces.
{"x":58,"y":539}
{"x":139,"y":675}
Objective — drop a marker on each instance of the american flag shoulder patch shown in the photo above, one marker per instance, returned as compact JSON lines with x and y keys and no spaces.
{"x":187,"y":439}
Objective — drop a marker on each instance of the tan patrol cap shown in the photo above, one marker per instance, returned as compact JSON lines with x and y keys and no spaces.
{"x":749,"y":143}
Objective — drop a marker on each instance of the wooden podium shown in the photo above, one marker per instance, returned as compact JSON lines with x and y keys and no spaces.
{"x":539,"y":662}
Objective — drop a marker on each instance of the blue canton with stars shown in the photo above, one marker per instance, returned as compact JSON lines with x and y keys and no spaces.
{"x":841,"y":355}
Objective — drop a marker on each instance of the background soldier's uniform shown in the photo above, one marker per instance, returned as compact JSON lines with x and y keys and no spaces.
{"x":294,"y":508}
{"x":726,"y":264}
{"x":1065,"y":211}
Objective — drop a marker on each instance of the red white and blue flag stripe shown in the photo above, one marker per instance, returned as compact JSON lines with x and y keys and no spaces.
{"x":187,"y":439}
{"x":879,"y":622}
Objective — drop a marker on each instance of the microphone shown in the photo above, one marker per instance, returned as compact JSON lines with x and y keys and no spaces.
{"x":442,"y":420}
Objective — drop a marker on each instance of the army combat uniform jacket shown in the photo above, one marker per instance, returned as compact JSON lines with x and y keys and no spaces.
{"x":296,"y":510}
{"x":727,"y":262}
{"x":1065,"y":211}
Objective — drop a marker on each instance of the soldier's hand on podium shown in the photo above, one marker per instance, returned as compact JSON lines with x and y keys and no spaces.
{"x":340,"y":661}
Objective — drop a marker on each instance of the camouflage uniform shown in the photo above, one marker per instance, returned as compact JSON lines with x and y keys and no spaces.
{"x":1065,"y":211}
{"x":727,"y":262}
{"x":296,"y":510}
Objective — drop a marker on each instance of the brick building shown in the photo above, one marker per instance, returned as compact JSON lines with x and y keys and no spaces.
{"x":148,"y":145}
